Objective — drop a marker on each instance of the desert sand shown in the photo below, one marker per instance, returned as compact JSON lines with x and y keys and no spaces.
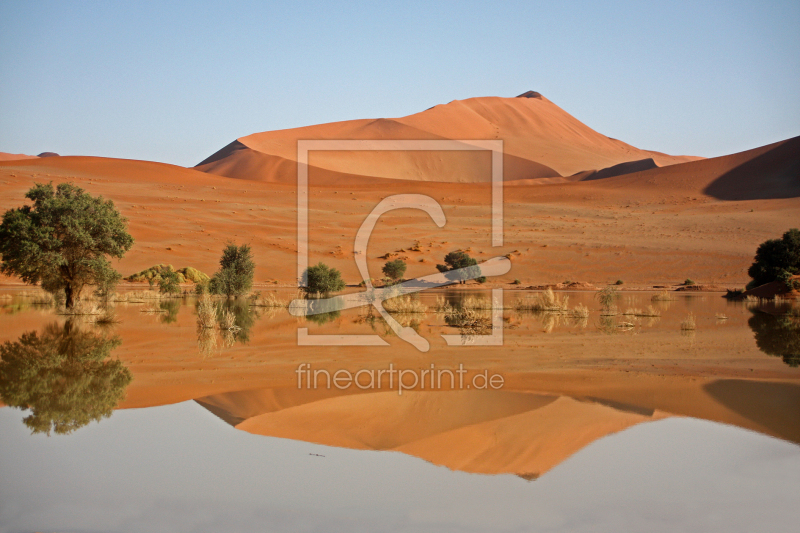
{"x":701,"y":220}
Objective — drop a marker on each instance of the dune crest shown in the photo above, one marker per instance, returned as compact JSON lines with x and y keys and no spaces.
{"x":541,"y":140}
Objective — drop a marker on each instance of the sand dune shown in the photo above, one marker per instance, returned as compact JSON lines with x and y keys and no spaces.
{"x":488,"y":432}
{"x":767,"y":172}
{"x":540,"y":141}
{"x":15,"y":157}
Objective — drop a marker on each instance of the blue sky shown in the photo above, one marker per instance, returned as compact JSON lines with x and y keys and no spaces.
{"x":174,"y":81}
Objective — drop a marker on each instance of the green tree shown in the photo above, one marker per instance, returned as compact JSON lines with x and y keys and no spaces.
{"x":63,"y":376}
{"x":395,"y":269}
{"x":237,"y":268}
{"x":321,"y":279}
{"x":774,"y":256}
{"x":169,"y":283}
{"x":457,"y":260}
{"x":63,"y":239}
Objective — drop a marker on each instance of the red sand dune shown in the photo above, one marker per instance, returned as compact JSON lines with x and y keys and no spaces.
{"x":14,"y":157}
{"x":540,"y":141}
{"x":488,"y":432}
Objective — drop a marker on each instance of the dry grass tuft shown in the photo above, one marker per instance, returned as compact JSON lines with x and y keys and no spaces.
{"x":108,"y":318}
{"x":227,"y":321}
{"x":580,"y":311}
{"x":137,"y":296}
{"x":206,"y":312}
{"x":721,"y":316}
{"x":404,"y":304}
{"x":270,"y":299}
{"x":543,"y":301}
{"x":663,"y":296}
{"x":688,"y":323}
{"x":82,"y":307}
{"x":471,"y":321}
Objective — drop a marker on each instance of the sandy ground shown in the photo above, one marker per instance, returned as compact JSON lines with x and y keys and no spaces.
{"x":652,"y":227}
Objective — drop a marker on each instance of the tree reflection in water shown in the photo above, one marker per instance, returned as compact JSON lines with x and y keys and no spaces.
{"x":777,"y":335}
{"x":64,"y":376}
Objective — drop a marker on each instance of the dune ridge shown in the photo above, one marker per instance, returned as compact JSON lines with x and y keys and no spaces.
{"x":541,"y":140}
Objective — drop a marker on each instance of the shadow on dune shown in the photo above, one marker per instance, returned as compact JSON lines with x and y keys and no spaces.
{"x":771,"y":175}
{"x":771,"y":405}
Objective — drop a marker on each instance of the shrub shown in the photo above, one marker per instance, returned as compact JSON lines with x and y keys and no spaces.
{"x":395,"y":269}
{"x":607,"y":297}
{"x":481,"y":279}
{"x":153,"y":274}
{"x":618,"y":282}
{"x":687,"y":281}
{"x":237,"y":268}
{"x":734,"y":294}
{"x":789,"y":283}
{"x":543,"y":301}
{"x":322,"y":279}
{"x":455,"y":261}
{"x":663,"y":296}
{"x":516,"y":282}
{"x":404,"y":304}
{"x":775,"y":256}
{"x":169,"y":282}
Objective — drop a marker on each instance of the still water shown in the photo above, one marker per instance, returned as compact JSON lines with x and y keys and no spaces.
{"x":603,"y":422}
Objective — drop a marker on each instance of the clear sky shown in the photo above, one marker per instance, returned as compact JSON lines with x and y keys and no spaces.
{"x":175,"y":81}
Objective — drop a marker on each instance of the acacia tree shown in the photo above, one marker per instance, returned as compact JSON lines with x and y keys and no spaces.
{"x":63,"y":240}
{"x":460,"y":260}
{"x":237,"y":268}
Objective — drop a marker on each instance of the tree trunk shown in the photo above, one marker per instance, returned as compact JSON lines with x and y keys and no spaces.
{"x":69,"y":299}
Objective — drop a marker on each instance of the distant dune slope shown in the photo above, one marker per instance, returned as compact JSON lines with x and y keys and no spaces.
{"x":14,"y":157}
{"x":767,"y":172}
{"x":540,"y":139}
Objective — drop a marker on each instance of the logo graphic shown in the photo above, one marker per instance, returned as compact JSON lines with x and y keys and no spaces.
{"x":375,"y":297}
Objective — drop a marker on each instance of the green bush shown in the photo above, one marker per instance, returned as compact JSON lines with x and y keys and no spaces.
{"x":169,"y":283}
{"x":321,"y":279}
{"x":517,"y":282}
{"x":789,"y":283}
{"x":481,"y":279}
{"x":459,"y":260}
{"x":776,"y":256}
{"x":619,"y":282}
{"x":395,"y":269}
{"x":687,"y":281}
{"x":235,"y":276}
